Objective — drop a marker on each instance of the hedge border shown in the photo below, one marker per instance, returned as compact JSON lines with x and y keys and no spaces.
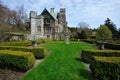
{"x":102,"y":68}
{"x":86,"y":55}
{"x":18,"y":60}
{"x":39,"y":52}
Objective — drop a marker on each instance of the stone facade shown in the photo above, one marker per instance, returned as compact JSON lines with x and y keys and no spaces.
{"x":48,"y":24}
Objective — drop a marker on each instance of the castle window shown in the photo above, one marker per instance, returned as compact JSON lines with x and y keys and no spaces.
{"x":39,"y":28}
{"x":47,"y":21}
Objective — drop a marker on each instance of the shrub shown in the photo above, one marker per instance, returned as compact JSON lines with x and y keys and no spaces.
{"x":113,"y":46}
{"x":106,"y":68}
{"x":87,"y":54}
{"x":47,"y":40}
{"x":39,"y":41}
{"x":17,"y":43}
{"x":39,"y":52}
{"x":62,"y":39}
{"x":72,"y":39}
{"x":89,"y":40}
{"x":16,"y":59}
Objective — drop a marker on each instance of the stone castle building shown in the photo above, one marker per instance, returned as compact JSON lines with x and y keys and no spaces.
{"x":49,"y":24}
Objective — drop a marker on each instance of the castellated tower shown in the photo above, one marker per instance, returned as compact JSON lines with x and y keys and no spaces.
{"x":36,"y":23}
{"x":62,"y":19}
{"x":33,"y":15}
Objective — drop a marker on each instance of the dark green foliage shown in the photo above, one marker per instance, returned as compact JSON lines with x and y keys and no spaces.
{"x":106,"y":68}
{"x":119,"y":33}
{"x":72,"y":39}
{"x":89,"y":40}
{"x":87,"y":54}
{"x":112,"y":27}
{"x":44,"y":40}
{"x":39,"y":52}
{"x":82,"y":35}
{"x":113,"y":46}
{"x":110,"y":45}
{"x":17,"y":43}
{"x":16,"y":59}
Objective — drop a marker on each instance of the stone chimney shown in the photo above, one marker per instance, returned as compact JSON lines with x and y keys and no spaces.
{"x":51,"y":10}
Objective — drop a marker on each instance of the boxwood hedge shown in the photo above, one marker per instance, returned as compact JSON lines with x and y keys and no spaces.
{"x":39,"y":41}
{"x":86,"y":55}
{"x":17,"y":43}
{"x":113,"y":46}
{"x":89,"y":40}
{"x":16,"y":59}
{"x":106,"y":68}
{"x":108,"y":45}
{"x":39,"y":52}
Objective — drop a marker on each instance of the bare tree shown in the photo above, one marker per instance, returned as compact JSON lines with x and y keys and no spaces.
{"x":83,"y":26}
{"x":20,"y":17}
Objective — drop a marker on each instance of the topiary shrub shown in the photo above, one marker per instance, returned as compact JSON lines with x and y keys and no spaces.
{"x":39,"y":52}
{"x":105,"y":68}
{"x":16,"y":59}
{"x":86,"y":55}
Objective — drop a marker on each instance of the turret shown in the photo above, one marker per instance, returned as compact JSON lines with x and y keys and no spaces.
{"x":33,"y":14}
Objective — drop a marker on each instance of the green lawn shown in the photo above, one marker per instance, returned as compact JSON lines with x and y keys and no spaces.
{"x":62,"y":64}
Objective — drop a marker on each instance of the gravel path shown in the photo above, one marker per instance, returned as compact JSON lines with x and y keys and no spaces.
{"x":88,"y":67}
{"x":38,"y":61}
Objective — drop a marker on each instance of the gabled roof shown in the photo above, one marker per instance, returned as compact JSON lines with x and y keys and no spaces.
{"x":45,"y":13}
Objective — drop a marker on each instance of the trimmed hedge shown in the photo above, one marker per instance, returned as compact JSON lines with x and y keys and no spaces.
{"x":72,"y":39}
{"x":39,"y":52}
{"x":16,"y":59}
{"x":39,"y":41}
{"x":17,"y":43}
{"x":47,"y":40}
{"x":86,"y":55}
{"x":113,"y":46}
{"x":106,"y":68}
{"x":89,"y":40}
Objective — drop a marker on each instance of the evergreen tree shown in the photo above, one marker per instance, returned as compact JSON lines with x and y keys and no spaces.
{"x":119,"y":33}
{"x":112,"y":27}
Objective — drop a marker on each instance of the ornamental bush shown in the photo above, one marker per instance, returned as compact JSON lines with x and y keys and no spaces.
{"x":87,"y":54}
{"x":89,"y":40}
{"x":105,"y":68}
{"x":113,"y":46}
{"x":17,"y":43}
{"x":16,"y":59}
{"x":39,"y":52}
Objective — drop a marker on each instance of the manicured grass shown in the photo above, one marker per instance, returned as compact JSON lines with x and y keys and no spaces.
{"x":62,"y":64}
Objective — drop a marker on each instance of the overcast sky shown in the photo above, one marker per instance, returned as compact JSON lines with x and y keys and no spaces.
{"x":93,"y":12}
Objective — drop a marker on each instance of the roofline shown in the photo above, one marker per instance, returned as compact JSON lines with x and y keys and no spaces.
{"x":48,"y":12}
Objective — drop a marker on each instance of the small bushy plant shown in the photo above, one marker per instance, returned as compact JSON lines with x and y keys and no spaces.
{"x":106,"y":68}
{"x":17,"y":43}
{"x":16,"y":59}
{"x":39,"y":52}
{"x":87,"y":54}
